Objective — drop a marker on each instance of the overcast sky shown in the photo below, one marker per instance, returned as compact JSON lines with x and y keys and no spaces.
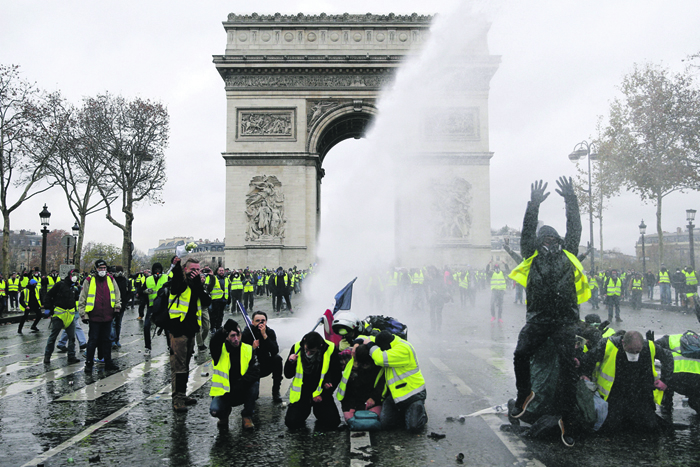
{"x":561,"y":64}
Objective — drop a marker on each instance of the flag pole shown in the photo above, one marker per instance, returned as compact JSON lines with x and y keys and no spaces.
{"x":240,"y":308}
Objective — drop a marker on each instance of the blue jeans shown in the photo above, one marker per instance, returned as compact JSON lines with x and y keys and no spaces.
{"x":665,"y":293}
{"x":414,"y":415}
{"x":244,"y":395}
{"x":79,"y":334}
{"x":55,"y":327}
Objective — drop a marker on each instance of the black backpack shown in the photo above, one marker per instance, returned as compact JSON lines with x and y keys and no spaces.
{"x":160,"y":315}
{"x":690,"y":345}
{"x":378,"y":323}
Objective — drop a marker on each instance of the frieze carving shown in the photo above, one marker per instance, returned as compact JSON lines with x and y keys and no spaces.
{"x":307,"y":81}
{"x":265,"y":210}
{"x":325,"y":18}
{"x":316,"y":109}
{"x":452,"y":124}
{"x":266,"y":123}
{"x":451,"y":199}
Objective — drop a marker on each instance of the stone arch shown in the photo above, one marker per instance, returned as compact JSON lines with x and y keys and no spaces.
{"x":343,"y":122}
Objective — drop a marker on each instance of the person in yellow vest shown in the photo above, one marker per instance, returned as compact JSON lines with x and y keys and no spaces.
{"x":51,"y":280}
{"x":61,"y":303}
{"x":404,"y":404}
{"x":264,"y":339}
{"x":249,"y":290}
{"x":627,"y":379}
{"x":3,"y":294}
{"x":613,"y":291}
{"x":99,"y":300}
{"x":555,"y":286}
{"x":236,"y":376}
{"x":637,"y":288}
{"x":236,"y":294}
{"x":686,"y":373}
{"x":691,"y":286}
{"x":498,"y":291}
{"x":595,"y":289}
{"x":313,"y":365}
{"x":362,"y":388}
{"x":665,"y":285}
{"x":140,"y":292}
{"x":186,"y":302}
{"x":219,"y":286}
{"x":30,"y":302}
{"x":153,"y":284}
{"x":13,"y":292}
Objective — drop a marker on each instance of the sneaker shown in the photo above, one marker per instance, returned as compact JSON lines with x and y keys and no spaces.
{"x":248,"y":423}
{"x":618,"y":320}
{"x":147,"y":351}
{"x":568,"y":440}
{"x":88,"y":366}
{"x":62,"y":348}
{"x":519,"y":409}
{"x":500,"y":321}
{"x":119,"y":346}
{"x":140,"y":318}
{"x":493,"y":318}
{"x":83,"y":347}
{"x":72,"y":360}
{"x":99,"y":361}
{"x":33,"y":330}
{"x":111,"y":367}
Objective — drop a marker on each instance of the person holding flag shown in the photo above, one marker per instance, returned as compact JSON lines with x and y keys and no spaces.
{"x":258,"y":334}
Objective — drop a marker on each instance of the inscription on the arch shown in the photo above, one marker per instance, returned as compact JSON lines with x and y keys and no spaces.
{"x":254,"y":124}
{"x":452,"y":124}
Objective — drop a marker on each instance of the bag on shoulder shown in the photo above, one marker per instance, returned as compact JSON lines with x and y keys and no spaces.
{"x":379,"y":323}
{"x":160,"y":315}
{"x":690,"y":345}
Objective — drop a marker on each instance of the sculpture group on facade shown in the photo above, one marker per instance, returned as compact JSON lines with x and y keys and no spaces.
{"x":265,"y":209}
{"x":451,"y":205}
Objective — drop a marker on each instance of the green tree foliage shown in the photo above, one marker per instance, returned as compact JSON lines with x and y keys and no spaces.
{"x":92,"y":251}
{"x":652,"y":139}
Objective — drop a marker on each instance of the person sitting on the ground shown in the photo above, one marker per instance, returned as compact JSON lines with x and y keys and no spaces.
{"x":236,"y":376}
{"x":362,"y":389}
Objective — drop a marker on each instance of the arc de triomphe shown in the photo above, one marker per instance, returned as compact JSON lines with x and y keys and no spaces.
{"x":296,"y":86}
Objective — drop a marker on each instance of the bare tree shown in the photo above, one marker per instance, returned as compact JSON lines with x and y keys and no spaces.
{"x":653,"y":135}
{"x":31,"y":123}
{"x":129,"y":138}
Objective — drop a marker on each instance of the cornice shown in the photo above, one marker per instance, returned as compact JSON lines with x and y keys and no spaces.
{"x":323,"y":18}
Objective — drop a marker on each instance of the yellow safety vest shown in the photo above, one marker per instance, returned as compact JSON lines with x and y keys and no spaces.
{"x":237,"y":283}
{"x":52,"y":282}
{"x":583,"y":291}
{"x":13,"y":285}
{"x":418,"y":278}
{"x":346,"y":376}
{"x":606,"y":377}
{"x":393,"y":279}
{"x":498,"y":281}
{"x":24,"y":282}
{"x":220,"y":384}
{"x":90,"y":303}
{"x":464,"y":281}
{"x":682,"y":364}
{"x":179,"y":304}
{"x":637,"y":284}
{"x":25,"y":294}
{"x":663,"y":278}
{"x":2,"y":288}
{"x":249,"y":286}
{"x":217,"y":292}
{"x":690,"y":278}
{"x":614,"y":286}
{"x":295,"y":390}
{"x":403,"y":376}
{"x":152,"y":284}
{"x":65,"y":315}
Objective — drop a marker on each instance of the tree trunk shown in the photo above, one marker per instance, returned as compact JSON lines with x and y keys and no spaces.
{"x":5,"y":244}
{"x":600,"y":219}
{"x":79,"y":246}
{"x":659,"y":231}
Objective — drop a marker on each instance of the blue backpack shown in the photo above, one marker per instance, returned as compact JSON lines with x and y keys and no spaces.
{"x":364,"y":420}
{"x":690,"y":345}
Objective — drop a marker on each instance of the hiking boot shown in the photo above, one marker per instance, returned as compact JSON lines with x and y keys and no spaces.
{"x":222,"y":424}
{"x":62,"y":348}
{"x":567,"y":439}
{"x":111,"y":367}
{"x":72,"y":360}
{"x":47,"y":359}
{"x":520,"y":407}
{"x":190,"y":401}
{"x":248,"y":423}
{"x":276,"y":397}
{"x":88,"y":366}
{"x":179,"y":406}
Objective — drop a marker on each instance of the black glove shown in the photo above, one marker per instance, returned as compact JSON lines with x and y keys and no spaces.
{"x":537,"y":194}
{"x":650,"y":335}
{"x":566,"y":188}
{"x":86,"y":321}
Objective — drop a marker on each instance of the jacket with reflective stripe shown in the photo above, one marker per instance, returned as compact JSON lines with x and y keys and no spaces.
{"x":690,"y":278}
{"x":25,"y":295}
{"x":614,"y":286}
{"x":298,"y":381}
{"x":13,"y":284}
{"x":2,"y":288}
{"x":178,"y":306}
{"x":583,"y":291}
{"x":217,"y":292}
{"x":606,"y":377}
{"x":152,"y":284}
{"x":92,"y":288}
{"x":401,"y":369}
{"x":220,"y":384}
{"x":682,"y":364}
{"x":637,"y":284}
{"x":498,"y":281}
{"x":464,"y":281}
{"x":236,"y":283}
{"x":65,"y":315}
{"x":663,"y":277}
{"x":346,"y":377}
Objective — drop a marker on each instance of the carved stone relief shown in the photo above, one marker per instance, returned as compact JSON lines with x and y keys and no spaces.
{"x":244,"y":80}
{"x":452,"y":124}
{"x":266,"y":123}
{"x":316,"y":109}
{"x":265,"y":210}
{"x":452,"y":208}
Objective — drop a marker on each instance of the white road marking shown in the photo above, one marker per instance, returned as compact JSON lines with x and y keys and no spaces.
{"x":361,"y":447}
{"x":31,"y":383}
{"x":110,"y":383}
{"x":194,"y":382}
{"x":512,"y":443}
{"x":454,"y":379}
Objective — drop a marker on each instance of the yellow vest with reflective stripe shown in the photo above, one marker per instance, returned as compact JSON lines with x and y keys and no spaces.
{"x":346,"y":376}
{"x":248,"y":287}
{"x":637,"y":284}
{"x":25,"y":294}
{"x":13,"y":285}
{"x":295,"y":389}
{"x":65,"y":315}
{"x":464,"y":281}
{"x":690,"y":278}
{"x":606,"y":377}
{"x":403,"y":377}
{"x":178,"y":306}
{"x":152,"y":284}
{"x":220,"y":384}
{"x":90,"y":303}
{"x":583,"y":291}
{"x":418,"y":278}
{"x":682,"y":364}
{"x":237,"y":283}
{"x":614,"y":286}
{"x":663,"y":278}
{"x":217,"y":292}
{"x":2,"y":288}
{"x":498,"y":281}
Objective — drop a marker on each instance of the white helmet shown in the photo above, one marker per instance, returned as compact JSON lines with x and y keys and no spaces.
{"x":346,"y":319}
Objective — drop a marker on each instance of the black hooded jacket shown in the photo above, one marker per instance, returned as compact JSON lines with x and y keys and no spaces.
{"x":64,"y":294}
{"x":551,"y":286}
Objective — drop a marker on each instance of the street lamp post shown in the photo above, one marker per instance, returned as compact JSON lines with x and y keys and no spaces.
{"x":643,"y":230}
{"x":44,"y":215}
{"x":690,"y":215}
{"x":584,"y":149}
{"x":76,"y":232}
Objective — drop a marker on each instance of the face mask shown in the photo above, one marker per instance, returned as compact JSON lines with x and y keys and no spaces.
{"x":102,"y":273}
{"x":74,"y":278}
{"x":632,"y":357}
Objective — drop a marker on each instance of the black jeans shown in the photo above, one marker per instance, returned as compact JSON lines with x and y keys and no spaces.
{"x":277,"y":302}
{"x":326,"y":412}
{"x":99,"y":336}
{"x":531,"y":337}
{"x":27,"y":313}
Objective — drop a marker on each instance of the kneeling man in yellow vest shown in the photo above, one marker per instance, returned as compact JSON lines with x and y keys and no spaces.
{"x":313,"y":365}
{"x":236,"y":377}
{"x":627,"y":379}
{"x":686,"y":373}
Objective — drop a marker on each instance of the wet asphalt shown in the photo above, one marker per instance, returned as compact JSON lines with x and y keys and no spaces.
{"x":467,"y":366}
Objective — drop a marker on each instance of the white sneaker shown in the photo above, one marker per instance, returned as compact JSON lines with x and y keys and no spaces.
{"x":147,"y":352}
